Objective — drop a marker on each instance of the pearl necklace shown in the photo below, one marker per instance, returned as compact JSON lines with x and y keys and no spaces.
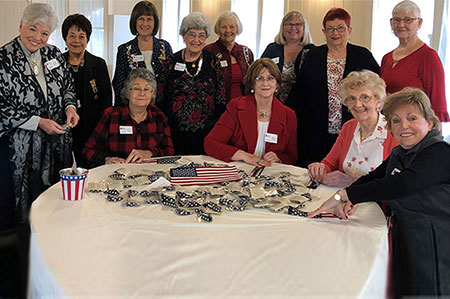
{"x":199,"y":67}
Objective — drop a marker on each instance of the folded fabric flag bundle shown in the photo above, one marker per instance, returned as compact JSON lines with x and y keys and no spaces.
{"x":203,"y":175}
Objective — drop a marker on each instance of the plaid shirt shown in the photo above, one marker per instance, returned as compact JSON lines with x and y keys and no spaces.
{"x":107,"y":141}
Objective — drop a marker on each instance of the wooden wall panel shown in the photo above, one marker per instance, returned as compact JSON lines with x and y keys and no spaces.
{"x":10,"y":15}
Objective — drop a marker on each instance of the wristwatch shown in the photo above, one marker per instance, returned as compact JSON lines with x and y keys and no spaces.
{"x":338,"y":197}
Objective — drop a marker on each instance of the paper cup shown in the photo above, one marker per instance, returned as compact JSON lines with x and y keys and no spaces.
{"x":73,"y":184}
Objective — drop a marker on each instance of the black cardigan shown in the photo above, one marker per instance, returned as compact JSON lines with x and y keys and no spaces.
{"x":309,"y":98}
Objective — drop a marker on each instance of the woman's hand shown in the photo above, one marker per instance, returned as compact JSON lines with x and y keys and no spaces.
{"x":251,"y":159}
{"x":50,"y":127}
{"x":114,"y":160}
{"x":137,"y":156}
{"x":317,"y":171}
{"x":341,"y":208}
{"x":72,"y":116}
{"x":272,"y":157}
{"x":337,"y":179}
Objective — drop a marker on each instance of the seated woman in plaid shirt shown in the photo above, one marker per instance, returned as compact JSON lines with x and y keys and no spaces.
{"x":131,"y":133}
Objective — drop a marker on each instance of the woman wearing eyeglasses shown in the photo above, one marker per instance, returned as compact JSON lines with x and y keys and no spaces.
{"x":364,"y":142}
{"x":413,"y":63}
{"x":132,"y":133}
{"x":257,"y":128}
{"x":190,"y":88}
{"x":145,"y":50}
{"x":315,"y":98}
{"x":289,"y":50}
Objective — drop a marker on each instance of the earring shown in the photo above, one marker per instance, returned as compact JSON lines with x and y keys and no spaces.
{"x":276,"y":90}
{"x":252,"y":90}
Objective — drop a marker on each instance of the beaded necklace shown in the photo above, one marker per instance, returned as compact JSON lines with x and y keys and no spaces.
{"x":199,"y":67}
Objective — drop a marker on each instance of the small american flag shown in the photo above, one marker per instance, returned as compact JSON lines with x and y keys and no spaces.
{"x":203,"y":175}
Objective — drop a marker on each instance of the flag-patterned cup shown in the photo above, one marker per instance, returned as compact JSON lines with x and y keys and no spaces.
{"x":73,"y":184}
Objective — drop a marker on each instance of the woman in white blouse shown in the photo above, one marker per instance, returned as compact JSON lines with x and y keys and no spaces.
{"x":364,"y":141}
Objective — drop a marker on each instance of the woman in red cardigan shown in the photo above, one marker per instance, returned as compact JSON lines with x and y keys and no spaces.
{"x":364,"y":142}
{"x":257,"y":129}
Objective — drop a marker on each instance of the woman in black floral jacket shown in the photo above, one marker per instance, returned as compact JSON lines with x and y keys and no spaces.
{"x":145,"y":50}
{"x":190,"y":89}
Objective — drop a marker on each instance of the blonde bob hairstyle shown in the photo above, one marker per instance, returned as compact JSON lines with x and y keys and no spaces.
{"x":363,"y":79}
{"x":256,"y":68}
{"x":410,"y":96}
{"x":228,"y":15}
{"x":306,"y":38}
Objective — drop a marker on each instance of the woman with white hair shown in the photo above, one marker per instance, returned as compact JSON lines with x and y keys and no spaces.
{"x":234,"y":59}
{"x":289,"y":50}
{"x":364,"y":141}
{"x":413,"y":63}
{"x":190,"y":88}
{"x":37,"y":97}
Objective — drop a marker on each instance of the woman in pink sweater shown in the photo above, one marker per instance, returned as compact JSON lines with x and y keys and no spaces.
{"x":364,"y":142}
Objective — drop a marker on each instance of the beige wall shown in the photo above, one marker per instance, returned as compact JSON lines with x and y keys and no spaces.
{"x":10,"y":15}
{"x":314,"y":11}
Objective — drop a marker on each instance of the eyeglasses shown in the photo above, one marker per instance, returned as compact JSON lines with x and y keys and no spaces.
{"x":363,"y":98}
{"x":406,"y":20}
{"x":294,"y":24}
{"x":147,"y":19}
{"x":269,"y":79}
{"x":193,"y":35}
{"x":138,"y":90}
{"x":338,"y":29}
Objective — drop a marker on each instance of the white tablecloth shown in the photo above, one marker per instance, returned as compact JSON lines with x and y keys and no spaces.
{"x":94,"y":248}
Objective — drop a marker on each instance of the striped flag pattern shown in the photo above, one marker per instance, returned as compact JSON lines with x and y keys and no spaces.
{"x":73,"y":186}
{"x":203,"y":175}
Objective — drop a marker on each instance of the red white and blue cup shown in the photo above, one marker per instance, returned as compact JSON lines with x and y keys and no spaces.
{"x":73,"y":182}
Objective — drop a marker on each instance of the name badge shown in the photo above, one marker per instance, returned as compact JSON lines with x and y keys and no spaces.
{"x":276,"y":60}
{"x":126,"y":130}
{"x":272,"y":138}
{"x":51,"y":64}
{"x":223,"y":63}
{"x":138,"y":58}
{"x":180,"y":66}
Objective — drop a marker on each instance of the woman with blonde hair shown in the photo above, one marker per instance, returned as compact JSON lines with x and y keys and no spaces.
{"x":235,"y":59}
{"x":364,"y":141}
{"x":289,"y":50}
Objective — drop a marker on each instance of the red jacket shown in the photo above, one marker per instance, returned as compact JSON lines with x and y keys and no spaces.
{"x":237,"y":129}
{"x":335,"y":158}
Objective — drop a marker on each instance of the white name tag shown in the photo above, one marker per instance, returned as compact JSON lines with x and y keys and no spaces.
{"x":51,"y":64}
{"x":180,"y":66}
{"x":272,"y":138}
{"x":276,"y":60}
{"x":223,"y":63}
{"x":138,"y":58}
{"x":128,"y":130}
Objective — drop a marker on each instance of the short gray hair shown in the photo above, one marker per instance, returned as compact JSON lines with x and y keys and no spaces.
{"x":407,"y":6}
{"x":141,"y":73}
{"x":363,"y":79}
{"x":306,"y":39}
{"x":195,"y":20}
{"x":227,"y":15}
{"x":40,"y":13}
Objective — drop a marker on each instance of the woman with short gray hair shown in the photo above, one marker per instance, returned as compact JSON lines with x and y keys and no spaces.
{"x":37,"y":98}
{"x":364,"y":141}
{"x":131,"y":133}
{"x":190,"y":88}
{"x":413,"y":63}
{"x":234,"y":59}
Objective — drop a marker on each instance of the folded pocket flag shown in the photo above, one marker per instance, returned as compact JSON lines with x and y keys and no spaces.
{"x":203,"y":175}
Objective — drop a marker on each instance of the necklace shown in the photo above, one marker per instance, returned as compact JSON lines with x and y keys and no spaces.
{"x":34,"y":65}
{"x":75,"y":68}
{"x":263,"y":114}
{"x":199,"y":67}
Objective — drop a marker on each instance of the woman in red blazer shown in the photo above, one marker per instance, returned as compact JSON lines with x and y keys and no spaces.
{"x":364,"y":142}
{"x":257,"y":129}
